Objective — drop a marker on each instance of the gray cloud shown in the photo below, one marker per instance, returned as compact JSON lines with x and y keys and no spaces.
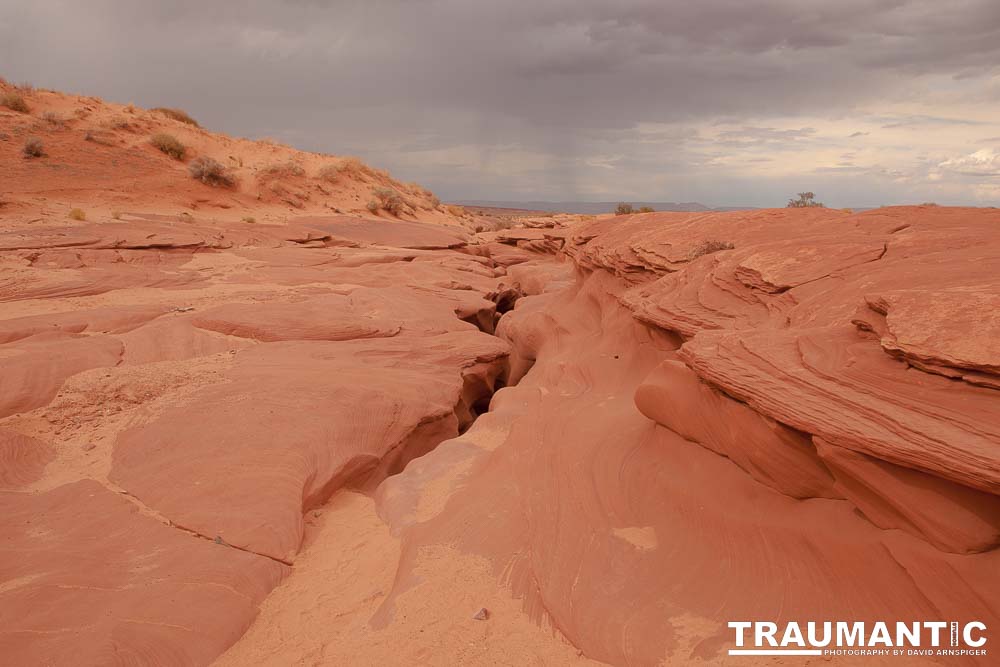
{"x":560,"y":99}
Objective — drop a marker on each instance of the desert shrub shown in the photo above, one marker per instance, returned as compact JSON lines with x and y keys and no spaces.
{"x":176,"y":114}
{"x":54,"y":119}
{"x":329,"y":173}
{"x":372,"y":206}
{"x":281,"y":170}
{"x":708,"y":247}
{"x":96,"y":137}
{"x":624,"y":209}
{"x":434,"y":201}
{"x":33,"y":147}
{"x":389,"y":199}
{"x":117,"y":215}
{"x":249,"y":219}
{"x":77,"y":214}
{"x":211,"y":172}
{"x":457,"y":211}
{"x":270,"y":141}
{"x":647,"y":209}
{"x":354,"y":165}
{"x":805,"y":200}
{"x":14,"y":102}
{"x":929,"y":203}
{"x":169,"y":144}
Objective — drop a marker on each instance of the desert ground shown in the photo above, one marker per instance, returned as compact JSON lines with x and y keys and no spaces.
{"x":295,"y":412}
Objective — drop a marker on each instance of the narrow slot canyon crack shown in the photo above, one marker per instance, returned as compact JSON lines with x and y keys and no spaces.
{"x":583,"y":443}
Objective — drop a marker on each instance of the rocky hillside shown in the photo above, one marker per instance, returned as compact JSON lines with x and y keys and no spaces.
{"x":108,"y":160}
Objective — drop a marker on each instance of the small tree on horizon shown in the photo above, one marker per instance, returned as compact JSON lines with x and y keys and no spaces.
{"x":805,"y":200}
{"x":624,"y":209}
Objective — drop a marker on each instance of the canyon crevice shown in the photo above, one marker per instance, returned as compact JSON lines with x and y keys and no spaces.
{"x":334,"y":439}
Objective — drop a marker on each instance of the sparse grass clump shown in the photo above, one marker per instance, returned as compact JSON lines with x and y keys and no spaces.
{"x":77,"y":214}
{"x":708,"y":247}
{"x":177,"y":114}
{"x":389,"y":199}
{"x":97,"y":137}
{"x":647,"y":209}
{"x":54,"y":119}
{"x":119,"y":124}
{"x":117,"y":215}
{"x":169,"y":144}
{"x":455,"y":210}
{"x":329,"y":173}
{"x":353,"y":165}
{"x":624,"y":209}
{"x":249,"y":219}
{"x":281,"y":170}
{"x":211,"y":172}
{"x":33,"y":147}
{"x":14,"y":102}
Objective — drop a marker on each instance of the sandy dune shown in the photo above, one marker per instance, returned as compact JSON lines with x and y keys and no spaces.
{"x":333,"y":437}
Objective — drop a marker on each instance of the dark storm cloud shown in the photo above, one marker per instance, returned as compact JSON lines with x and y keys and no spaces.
{"x":482,"y":98}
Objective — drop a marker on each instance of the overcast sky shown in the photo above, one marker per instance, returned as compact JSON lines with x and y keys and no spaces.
{"x":726,"y":102}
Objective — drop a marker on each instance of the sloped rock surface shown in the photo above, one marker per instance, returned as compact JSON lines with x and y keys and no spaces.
{"x":177,"y":395}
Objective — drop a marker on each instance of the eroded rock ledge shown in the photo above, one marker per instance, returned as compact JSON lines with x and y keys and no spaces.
{"x":803,"y":425}
{"x":746,"y":433}
{"x":176,"y":396}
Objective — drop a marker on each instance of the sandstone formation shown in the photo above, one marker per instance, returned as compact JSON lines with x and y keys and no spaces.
{"x":329,"y":437}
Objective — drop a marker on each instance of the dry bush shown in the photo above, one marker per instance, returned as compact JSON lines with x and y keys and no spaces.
{"x":457,"y":211}
{"x":353,"y":166}
{"x":117,"y":215}
{"x":14,"y":102}
{"x":501,"y":224}
{"x":389,"y":199}
{"x":330,"y":173}
{"x":211,"y":172}
{"x":805,"y":200}
{"x":176,"y":114}
{"x":281,"y":170}
{"x":647,"y":209}
{"x":77,"y":214}
{"x":372,"y":206}
{"x":708,"y":247}
{"x":270,"y":141}
{"x":54,"y":119}
{"x":169,"y":144}
{"x":119,"y":124}
{"x":97,"y":137}
{"x":33,"y":147}
{"x":249,"y":219}
{"x":434,"y":201}
{"x":624,"y":209}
